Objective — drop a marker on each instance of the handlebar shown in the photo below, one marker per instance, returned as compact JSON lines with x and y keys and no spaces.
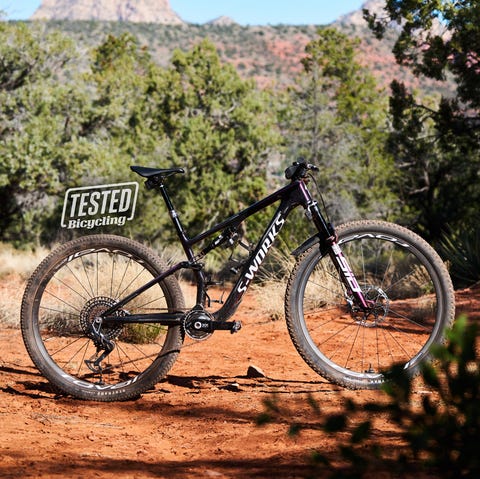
{"x":299,"y":170}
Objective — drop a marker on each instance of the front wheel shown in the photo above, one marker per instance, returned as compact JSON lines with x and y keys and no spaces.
{"x":409,"y":290}
{"x":61,"y":305}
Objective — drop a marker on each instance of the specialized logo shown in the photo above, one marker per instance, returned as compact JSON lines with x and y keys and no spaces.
{"x":262,"y":252}
{"x":104,"y":205}
{"x":347,"y":272}
{"x":374,"y":236}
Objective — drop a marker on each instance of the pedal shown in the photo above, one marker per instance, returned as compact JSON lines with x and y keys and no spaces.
{"x":236,"y":327}
{"x":232,"y":326}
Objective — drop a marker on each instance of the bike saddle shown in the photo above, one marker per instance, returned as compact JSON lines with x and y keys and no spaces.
{"x":158,"y":172}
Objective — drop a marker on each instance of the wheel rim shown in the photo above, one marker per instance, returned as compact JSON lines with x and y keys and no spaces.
{"x":402,"y":323}
{"x":78,"y":290}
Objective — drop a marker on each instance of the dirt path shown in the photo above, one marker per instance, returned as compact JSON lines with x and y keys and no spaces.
{"x":199,"y":422}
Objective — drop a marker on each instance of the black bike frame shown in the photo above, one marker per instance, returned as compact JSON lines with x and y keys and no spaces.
{"x":292,"y":195}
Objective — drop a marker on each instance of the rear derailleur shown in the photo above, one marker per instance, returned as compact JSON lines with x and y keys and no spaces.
{"x":102,"y":343}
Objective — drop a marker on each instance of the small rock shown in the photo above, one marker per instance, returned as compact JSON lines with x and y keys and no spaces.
{"x":210,"y":473}
{"x":255,"y":372}
{"x":235,"y":387}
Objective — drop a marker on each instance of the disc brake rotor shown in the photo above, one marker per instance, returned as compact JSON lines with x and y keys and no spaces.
{"x":379,"y":307}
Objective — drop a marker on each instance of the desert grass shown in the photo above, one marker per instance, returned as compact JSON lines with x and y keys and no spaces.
{"x":16,"y":266}
{"x":269,"y":288}
{"x":19,"y":262}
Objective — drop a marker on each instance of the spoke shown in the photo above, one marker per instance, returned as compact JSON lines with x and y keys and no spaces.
{"x":387,"y":267}
{"x":60,"y":311}
{"x":131,"y":361}
{"x":62,"y":301}
{"x":88,"y":278}
{"x":388,"y":347}
{"x":333,"y":292}
{"x":342,"y":342}
{"x":395,"y":340}
{"x":131,"y":282}
{"x":353,"y":344}
{"x":406,"y":277}
{"x":362,"y":355}
{"x":71,"y":289}
{"x":321,"y":324}
{"x":113,"y":275}
{"x":97,"y":275}
{"x":409,"y":320}
{"x":71,"y":343}
{"x":127,"y":265}
{"x":122,"y":363}
{"x":144,"y":305}
{"x":78,"y":281}
{"x":377,"y":340}
{"x":362,"y":263}
{"x":82,"y":362}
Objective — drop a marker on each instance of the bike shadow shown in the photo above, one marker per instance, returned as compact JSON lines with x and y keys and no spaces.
{"x":31,"y":388}
{"x":17,"y":370}
{"x":36,"y":387}
{"x":240,"y":468}
{"x":244,"y":382}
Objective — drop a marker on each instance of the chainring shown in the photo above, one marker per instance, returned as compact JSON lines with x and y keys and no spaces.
{"x":195,"y":324}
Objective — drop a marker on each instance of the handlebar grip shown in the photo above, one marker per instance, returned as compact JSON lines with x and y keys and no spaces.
{"x":290,"y":171}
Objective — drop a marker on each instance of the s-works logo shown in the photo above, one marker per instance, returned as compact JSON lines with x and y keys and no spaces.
{"x":103,"y":205}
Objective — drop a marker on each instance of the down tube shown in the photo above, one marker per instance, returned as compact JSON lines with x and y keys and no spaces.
{"x":251,"y":268}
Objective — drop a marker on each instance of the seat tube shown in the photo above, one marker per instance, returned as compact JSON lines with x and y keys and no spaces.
{"x":199,"y":274}
{"x":176,"y":222}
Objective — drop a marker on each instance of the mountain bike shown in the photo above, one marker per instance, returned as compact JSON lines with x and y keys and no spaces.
{"x":103,"y":317}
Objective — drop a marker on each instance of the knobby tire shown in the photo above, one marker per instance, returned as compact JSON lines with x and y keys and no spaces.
{"x":400,"y":274}
{"x":74,"y":284}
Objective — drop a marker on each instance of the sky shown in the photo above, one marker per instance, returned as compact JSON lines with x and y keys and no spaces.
{"x":244,"y":12}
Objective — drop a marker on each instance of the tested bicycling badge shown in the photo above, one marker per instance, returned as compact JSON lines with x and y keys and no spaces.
{"x":91,"y":207}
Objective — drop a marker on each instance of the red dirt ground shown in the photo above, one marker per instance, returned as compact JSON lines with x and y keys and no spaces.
{"x":199,"y":422}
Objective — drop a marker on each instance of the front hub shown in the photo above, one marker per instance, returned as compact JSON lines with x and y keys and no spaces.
{"x":379,"y":306}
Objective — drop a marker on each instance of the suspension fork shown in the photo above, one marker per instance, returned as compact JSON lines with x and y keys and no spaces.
{"x":347,"y":275}
{"x":329,"y":240}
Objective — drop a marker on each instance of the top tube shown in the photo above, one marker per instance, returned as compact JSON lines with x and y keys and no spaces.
{"x":249,"y":211}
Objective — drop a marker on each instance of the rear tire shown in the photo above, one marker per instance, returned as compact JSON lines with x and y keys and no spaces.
{"x":401,"y":274}
{"x":72,"y":286}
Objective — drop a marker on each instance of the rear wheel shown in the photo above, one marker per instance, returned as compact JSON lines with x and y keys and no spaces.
{"x":411,"y":297}
{"x":72,"y":287}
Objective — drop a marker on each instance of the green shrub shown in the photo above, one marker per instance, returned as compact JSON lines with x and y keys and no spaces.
{"x":462,"y":251}
{"x":441,"y":435}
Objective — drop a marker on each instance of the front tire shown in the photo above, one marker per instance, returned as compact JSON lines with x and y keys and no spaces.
{"x":72,"y":286}
{"x":403,"y":277}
